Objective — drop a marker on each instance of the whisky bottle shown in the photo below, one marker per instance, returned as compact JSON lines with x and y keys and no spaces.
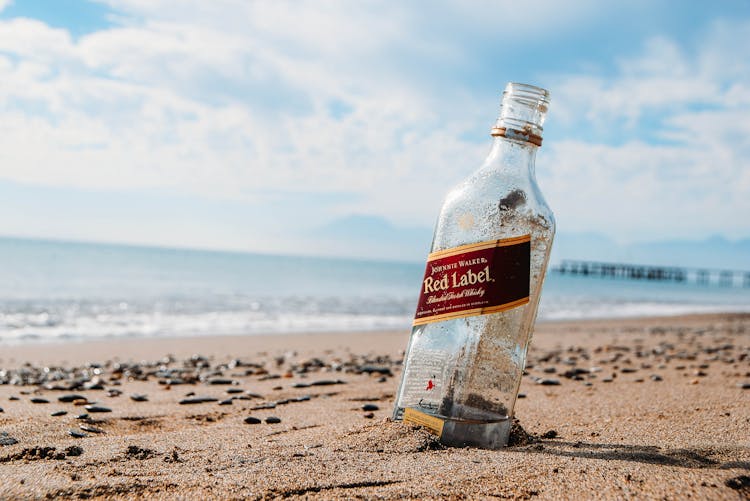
{"x":479,"y":296}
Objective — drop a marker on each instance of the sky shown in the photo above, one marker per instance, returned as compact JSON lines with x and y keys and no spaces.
{"x":255,"y":125}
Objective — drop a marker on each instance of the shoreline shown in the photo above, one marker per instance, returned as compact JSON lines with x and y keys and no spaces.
{"x":635,"y":408}
{"x":136,"y":347}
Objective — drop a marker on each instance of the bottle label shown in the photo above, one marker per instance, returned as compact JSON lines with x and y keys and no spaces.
{"x":475,"y":279}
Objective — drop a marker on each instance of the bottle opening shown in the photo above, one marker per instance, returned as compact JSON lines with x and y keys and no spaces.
{"x":522,"y":113}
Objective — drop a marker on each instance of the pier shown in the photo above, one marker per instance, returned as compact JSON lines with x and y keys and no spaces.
{"x":701,"y":276}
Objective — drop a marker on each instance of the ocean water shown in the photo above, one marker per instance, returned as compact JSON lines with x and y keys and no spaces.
{"x":52,"y":291}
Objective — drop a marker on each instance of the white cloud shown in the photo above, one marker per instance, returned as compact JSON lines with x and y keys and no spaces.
{"x":239,"y":100}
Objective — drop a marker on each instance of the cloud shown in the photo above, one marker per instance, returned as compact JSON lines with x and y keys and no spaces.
{"x":245,"y":101}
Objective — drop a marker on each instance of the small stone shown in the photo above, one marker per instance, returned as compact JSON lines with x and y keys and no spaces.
{"x":656,"y":377}
{"x":114,"y":392}
{"x":220,"y":381}
{"x":327,"y":382}
{"x":37,"y":400}
{"x":98,"y":408}
{"x":197,"y":400}
{"x":1,"y":409}
{"x":369,"y":415}
{"x":252,"y":420}
{"x":744,"y":386}
{"x":548,"y":382}
{"x":301,"y":385}
{"x":550,"y":434}
{"x":73,"y":451}
{"x":370,"y":407}
{"x":77,"y":434}
{"x":270,"y":405}
{"x":82,"y":416}
{"x":81,"y":401}
{"x":628,"y":370}
{"x":521,"y":395}
{"x":6,"y":440}
{"x":91,"y":429}
{"x":139,"y":397}
{"x":70,"y":398}
{"x":232,"y":391}
{"x":58,"y":413}
{"x":227,"y":401}
{"x":273,"y":420}
{"x":607,"y":380}
{"x":13,"y":397}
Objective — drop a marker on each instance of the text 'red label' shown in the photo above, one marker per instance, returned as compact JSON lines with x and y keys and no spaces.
{"x":475,"y":279}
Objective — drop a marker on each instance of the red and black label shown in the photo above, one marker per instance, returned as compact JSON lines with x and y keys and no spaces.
{"x":475,"y":279}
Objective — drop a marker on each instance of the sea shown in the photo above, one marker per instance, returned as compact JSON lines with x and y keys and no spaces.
{"x":53,"y":291}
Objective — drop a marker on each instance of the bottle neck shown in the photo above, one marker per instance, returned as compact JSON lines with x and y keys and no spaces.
{"x":510,"y":157}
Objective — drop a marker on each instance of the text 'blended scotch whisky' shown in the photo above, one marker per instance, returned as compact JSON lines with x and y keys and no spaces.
{"x":479,"y":296}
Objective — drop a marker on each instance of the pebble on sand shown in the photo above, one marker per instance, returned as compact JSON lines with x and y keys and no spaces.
{"x":37,"y":400}
{"x":252,"y":420}
{"x":273,"y":420}
{"x":370,"y":407}
{"x":197,"y":400}
{"x":97,"y":408}
{"x":58,"y":413}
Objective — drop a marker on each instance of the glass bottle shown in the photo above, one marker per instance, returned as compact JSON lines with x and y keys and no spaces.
{"x":478,"y":301}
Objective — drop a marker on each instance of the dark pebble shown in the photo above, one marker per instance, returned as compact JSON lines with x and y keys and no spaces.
{"x":548,"y":382}
{"x":301,"y":385}
{"x":549,"y":370}
{"x":77,"y":434}
{"x":137,"y":397}
{"x":58,"y":413}
{"x":231,"y":391}
{"x":628,"y":370}
{"x":372,"y":369}
{"x":607,"y":380}
{"x":370,"y":407}
{"x":227,"y":401}
{"x":91,"y":429}
{"x":369,"y":415}
{"x":37,"y":400}
{"x":70,"y":398}
{"x":273,"y":420}
{"x":220,"y":381}
{"x":327,"y":382}
{"x":382,"y":379}
{"x":521,"y":395}
{"x":82,"y":416}
{"x":550,"y":434}
{"x":6,"y":440}
{"x":114,"y":392}
{"x":97,"y":408}
{"x":303,"y":398}
{"x":73,"y":450}
{"x":1,"y":409}
{"x":744,"y":386}
{"x":656,"y":377}
{"x":197,"y":400}
{"x":13,"y":397}
{"x":252,"y":420}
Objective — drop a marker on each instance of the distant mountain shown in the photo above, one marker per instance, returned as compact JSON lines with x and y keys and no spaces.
{"x":373,"y":237}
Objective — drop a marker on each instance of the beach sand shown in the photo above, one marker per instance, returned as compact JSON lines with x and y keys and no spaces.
{"x":644,"y":409}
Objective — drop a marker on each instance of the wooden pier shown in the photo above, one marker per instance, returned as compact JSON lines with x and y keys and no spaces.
{"x":701,"y":276}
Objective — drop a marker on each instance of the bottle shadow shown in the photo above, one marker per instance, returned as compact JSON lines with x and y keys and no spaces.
{"x":651,"y":454}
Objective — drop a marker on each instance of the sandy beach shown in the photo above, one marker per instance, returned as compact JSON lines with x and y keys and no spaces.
{"x":654,"y":408}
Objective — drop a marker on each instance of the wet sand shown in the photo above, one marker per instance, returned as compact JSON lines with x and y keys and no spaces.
{"x":619,"y":409}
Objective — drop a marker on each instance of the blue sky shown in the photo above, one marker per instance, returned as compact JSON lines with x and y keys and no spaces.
{"x":247,"y":125}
